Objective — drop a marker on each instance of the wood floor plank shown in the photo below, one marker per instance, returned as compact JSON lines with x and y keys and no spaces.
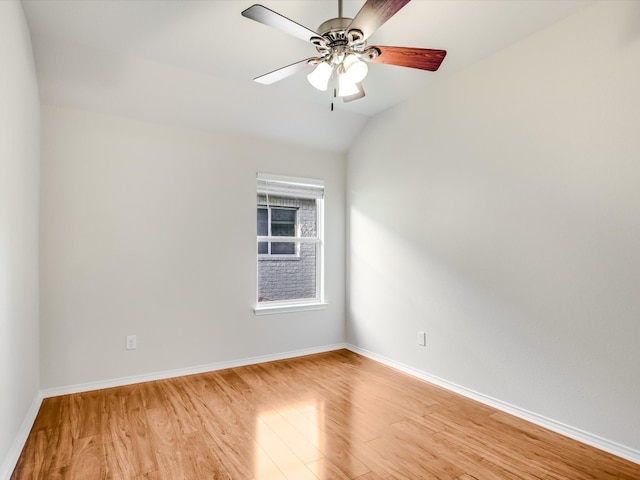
{"x":87,"y":459}
{"x":412,"y":456}
{"x":34,"y":460}
{"x":330,"y":416}
{"x":304,"y":449}
{"x":373,"y":476}
{"x":325,"y":468}
{"x":88,"y":414}
{"x":265,"y":468}
{"x":60,"y":445}
{"x":221,"y":428}
{"x":164,"y":440}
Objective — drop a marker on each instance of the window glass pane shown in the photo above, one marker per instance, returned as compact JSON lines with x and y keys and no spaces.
{"x":263,"y":222}
{"x":283,"y":230}
{"x":283,"y":222}
{"x":281,"y":248}
{"x":263,"y":248}
{"x":282,"y":215}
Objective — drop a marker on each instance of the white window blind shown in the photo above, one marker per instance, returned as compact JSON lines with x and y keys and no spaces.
{"x":277,"y":185}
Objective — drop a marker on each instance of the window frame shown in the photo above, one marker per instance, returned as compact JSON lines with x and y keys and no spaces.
{"x":294,"y":305}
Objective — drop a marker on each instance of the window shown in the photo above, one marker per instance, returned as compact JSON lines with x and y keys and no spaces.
{"x":289,"y":243}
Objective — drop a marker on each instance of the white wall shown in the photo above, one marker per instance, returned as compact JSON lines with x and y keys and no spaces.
{"x":499,"y":211}
{"x":19,"y":172}
{"x":150,"y":230}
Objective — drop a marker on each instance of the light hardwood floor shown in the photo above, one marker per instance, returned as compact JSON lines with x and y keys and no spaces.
{"x":332,"y":416}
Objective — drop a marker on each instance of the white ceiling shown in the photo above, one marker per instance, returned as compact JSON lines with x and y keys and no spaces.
{"x":191,"y":62}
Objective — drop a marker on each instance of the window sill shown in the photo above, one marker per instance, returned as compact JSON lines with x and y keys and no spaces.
{"x":271,"y":258}
{"x":288,"y":308}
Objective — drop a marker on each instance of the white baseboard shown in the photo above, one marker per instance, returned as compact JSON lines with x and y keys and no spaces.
{"x":10,"y":461}
{"x":548,"y":423}
{"x":118,"y":382}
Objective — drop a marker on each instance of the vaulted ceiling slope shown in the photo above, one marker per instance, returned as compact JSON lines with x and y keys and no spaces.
{"x":192,"y":62}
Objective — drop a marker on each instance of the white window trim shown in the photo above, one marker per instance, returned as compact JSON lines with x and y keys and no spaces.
{"x":289,"y":307}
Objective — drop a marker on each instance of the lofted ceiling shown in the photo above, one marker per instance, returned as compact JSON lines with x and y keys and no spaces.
{"x":191,"y":62}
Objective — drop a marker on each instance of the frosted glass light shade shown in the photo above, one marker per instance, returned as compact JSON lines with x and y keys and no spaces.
{"x":319,"y":78}
{"x":346,"y":87}
{"x":355,"y":68}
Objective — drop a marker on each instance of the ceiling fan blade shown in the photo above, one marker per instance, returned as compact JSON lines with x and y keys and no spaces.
{"x":284,"y":72}
{"x":375,"y":13}
{"x":262,"y":14}
{"x":422,"y":58}
{"x":355,"y":96}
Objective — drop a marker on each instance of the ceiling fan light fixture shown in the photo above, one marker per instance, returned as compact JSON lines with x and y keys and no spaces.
{"x":320,"y":76}
{"x":354,"y":68}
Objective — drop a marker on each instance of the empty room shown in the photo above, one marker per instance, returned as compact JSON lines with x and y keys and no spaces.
{"x":319,"y":239}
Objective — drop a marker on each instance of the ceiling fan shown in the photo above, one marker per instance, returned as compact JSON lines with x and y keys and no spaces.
{"x":342,"y":48}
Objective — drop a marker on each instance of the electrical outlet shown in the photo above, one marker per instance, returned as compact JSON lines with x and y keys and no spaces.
{"x":131,"y":342}
{"x":422,"y":339}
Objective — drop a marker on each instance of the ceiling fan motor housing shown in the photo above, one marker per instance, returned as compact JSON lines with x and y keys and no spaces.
{"x":335,"y":30}
{"x":336,"y":42}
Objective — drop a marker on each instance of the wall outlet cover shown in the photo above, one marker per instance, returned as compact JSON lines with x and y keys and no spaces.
{"x":131,"y":342}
